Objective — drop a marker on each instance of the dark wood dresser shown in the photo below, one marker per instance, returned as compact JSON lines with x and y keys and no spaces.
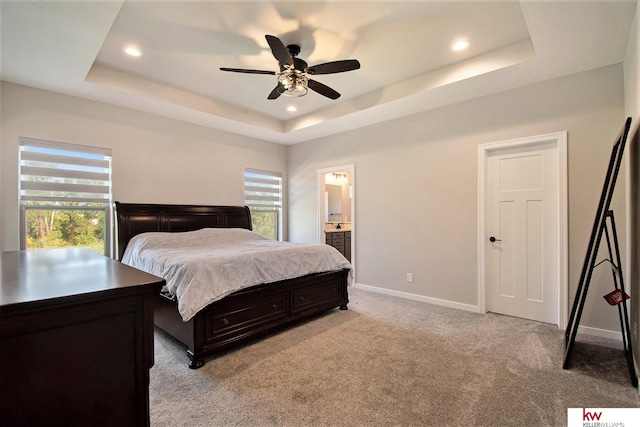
{"x":76,"y":339}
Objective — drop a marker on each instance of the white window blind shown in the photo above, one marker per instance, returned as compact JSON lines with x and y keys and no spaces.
{"x":59,"y":173}
{"x":263,"y":195}
{"x":262,"y":189}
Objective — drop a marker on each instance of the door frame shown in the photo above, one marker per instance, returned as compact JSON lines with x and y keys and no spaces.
{"x":484,"y":150}
{"x":321,"y":189}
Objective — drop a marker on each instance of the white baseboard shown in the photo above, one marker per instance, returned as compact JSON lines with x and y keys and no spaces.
{"x":603,"y":333}
{"x":407,"y":295}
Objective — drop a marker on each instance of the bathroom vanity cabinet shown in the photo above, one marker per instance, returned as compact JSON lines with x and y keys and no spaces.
{"x":341,"y":240}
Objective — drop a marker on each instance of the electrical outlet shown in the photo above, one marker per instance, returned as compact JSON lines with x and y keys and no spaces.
{"x":409,"y":277}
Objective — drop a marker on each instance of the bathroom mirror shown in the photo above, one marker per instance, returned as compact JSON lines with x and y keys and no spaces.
{"x":334,"y":203}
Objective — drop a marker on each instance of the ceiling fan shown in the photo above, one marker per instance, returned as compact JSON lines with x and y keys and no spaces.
{"x":293,"y":79}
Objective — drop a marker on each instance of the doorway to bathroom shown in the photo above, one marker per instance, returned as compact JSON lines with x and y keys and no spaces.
{"x":336,"y":209}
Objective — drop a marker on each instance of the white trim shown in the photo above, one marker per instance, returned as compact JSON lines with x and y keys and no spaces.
{"x":320,"y":200}
{"x":602,"y":333}
{"x":560,"y":138}
{"x":421,"y":298}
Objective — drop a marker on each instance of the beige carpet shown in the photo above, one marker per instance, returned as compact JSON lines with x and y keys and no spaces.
{"x":392,"y":362}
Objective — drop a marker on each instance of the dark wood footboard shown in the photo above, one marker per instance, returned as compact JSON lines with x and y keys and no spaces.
{"x":251,"y":313}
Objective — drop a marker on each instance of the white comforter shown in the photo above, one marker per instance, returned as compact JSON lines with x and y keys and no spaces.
{"x":206,"y":265}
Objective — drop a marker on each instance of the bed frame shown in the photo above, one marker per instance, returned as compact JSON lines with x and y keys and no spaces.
{"x":244,"y":315}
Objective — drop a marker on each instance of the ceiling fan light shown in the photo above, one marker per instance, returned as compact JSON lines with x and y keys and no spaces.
{"x":292,"y":84}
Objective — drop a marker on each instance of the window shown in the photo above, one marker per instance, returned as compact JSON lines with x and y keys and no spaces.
{"x":65,"y":195}
{"x":263,"y":195}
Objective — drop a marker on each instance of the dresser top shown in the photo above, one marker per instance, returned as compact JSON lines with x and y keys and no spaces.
{"x":40,"y":276}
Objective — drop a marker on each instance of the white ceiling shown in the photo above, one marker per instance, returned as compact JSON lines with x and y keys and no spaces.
{"x":75,"y":48}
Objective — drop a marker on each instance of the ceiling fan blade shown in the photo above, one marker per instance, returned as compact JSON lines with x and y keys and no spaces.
{"x":242,"y":70}
{"x":334,"y":67}
{"x":279,"y":50}
{"x":323,"y":89}
{"x":275,"y":93}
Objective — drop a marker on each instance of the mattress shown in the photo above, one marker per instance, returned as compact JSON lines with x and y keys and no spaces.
{"x":206,"y":265}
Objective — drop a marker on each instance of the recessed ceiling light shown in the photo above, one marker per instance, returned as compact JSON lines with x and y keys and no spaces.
{"x":460,"y":45}
{"x":132,"y":51}
{"x":292,"y":108}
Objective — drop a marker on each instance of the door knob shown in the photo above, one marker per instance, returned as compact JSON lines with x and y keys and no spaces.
{"x":493,"y":239}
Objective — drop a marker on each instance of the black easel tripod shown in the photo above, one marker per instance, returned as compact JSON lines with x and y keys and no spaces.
{"x":604,"y":224}
{"x":614,"y":260}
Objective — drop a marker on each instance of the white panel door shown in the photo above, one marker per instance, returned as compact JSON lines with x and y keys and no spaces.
{"x":522,"y":222}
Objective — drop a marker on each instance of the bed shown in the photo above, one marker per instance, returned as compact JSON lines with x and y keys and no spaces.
{"x":240,"y":316}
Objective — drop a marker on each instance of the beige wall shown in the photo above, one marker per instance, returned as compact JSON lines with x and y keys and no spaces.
{"x":632,"y":109}
{"x":155,"y":160}
{"x":631,"y":70}
{"x":416,"y":184}
{"x":415,"y":177}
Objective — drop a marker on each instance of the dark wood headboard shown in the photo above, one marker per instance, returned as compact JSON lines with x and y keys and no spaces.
{"x":135,"y":218}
